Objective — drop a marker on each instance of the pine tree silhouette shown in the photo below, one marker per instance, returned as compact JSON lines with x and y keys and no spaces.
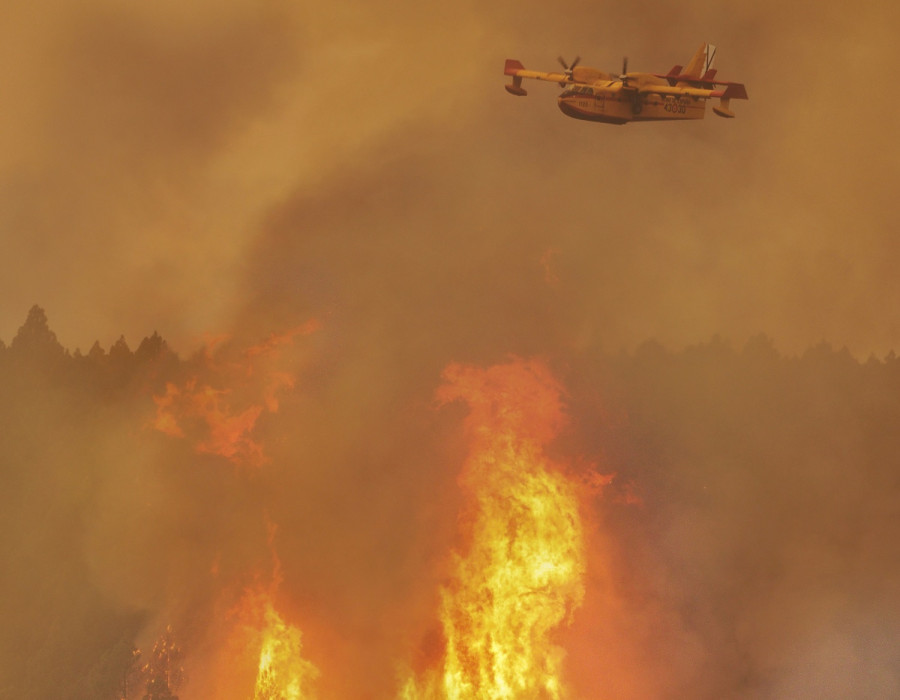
{"x":35,"y":341}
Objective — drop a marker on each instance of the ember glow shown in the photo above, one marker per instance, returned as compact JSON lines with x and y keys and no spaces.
{"x":226,"y":430}
{"x":521,"y":575}
{"x":220,"y":413}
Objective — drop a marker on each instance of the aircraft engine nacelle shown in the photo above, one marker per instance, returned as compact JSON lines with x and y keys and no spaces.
{"x":584,"y":74}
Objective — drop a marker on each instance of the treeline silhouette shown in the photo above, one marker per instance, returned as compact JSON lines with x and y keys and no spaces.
{"x":35,"y":349}
{"x":713,"y":367}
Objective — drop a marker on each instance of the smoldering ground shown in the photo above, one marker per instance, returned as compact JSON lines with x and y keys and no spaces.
{"x":167,"y":170}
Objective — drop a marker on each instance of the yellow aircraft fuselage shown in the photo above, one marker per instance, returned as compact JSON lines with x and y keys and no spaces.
{"x":627,"y":105}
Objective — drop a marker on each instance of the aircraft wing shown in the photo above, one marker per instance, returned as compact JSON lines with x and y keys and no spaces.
{"x":679,"y":91}
{"x":518,"y":71}
{"x":615,"y":88}
{"x":722,"y":89}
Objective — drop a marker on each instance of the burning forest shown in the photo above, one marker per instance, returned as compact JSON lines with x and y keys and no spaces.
{"x":711,"y":522}
{"x":349,"y":379}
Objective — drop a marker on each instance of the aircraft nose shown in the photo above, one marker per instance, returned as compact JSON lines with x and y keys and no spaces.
{"x":565,"y":103}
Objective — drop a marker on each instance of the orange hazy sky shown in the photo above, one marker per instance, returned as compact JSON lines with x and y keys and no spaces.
{"x":186,"y":167}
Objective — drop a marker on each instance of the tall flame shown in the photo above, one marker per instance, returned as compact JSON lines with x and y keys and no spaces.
{"x":281,"y":673}
{"x":273,"y":646}
{"x":522,"y":576}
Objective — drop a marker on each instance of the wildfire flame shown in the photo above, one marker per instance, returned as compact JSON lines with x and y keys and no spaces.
{"x":522,"y":576}
{"x":227,"y":430}
{"x":281,"y":673}
{"x":221,"y":421}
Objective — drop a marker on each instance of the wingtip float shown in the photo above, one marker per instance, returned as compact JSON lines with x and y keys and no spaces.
{"x":594,"y":95}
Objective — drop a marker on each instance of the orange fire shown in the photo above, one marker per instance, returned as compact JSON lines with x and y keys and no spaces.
{"x":281,"y":672}
{"x":223,"y":429}
{"x":220,"y":413}
{"x":522,"y":576}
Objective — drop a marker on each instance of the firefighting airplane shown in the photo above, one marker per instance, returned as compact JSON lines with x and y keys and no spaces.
{"x":596,"y":96}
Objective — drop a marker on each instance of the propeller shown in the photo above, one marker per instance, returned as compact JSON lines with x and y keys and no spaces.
{"x":568,"y":69}
{"x":624,"y":75}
